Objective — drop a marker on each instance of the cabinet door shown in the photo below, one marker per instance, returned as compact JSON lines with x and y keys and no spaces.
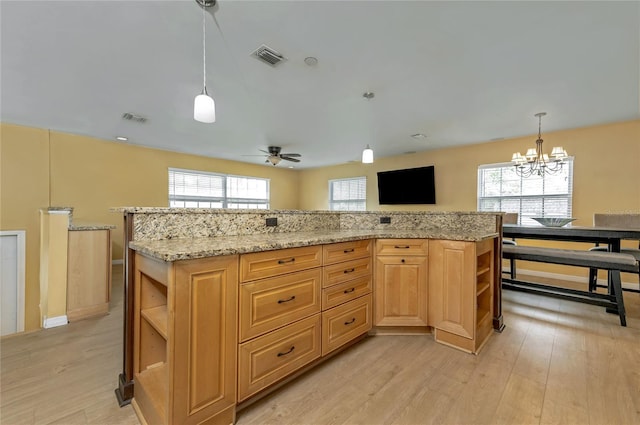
{"x":401,"y":291}
{"x":89,"y":273}
{"x":452,"y":285}
{"x":204,"y":338}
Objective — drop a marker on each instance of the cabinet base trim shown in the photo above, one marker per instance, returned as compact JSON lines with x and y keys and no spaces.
{"x":401,"y":330}
{"x":52,"y":322}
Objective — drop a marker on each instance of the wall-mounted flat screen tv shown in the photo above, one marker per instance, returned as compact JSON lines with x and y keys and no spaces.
{"x":408,"y":186}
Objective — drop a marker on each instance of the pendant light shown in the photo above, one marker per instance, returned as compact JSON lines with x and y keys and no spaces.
{"x":204,"y":108}
{"x":367,"y":153}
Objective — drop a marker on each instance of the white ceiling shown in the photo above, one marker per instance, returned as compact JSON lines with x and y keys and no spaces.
{"x":459,"y":72}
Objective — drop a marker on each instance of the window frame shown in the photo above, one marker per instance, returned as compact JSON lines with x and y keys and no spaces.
{"x":524,"y":214}
{"x":224,"y":200}
{"x":361,"y":203}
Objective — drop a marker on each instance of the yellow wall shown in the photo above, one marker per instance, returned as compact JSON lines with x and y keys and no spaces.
{"x":39,"y":168}
{"x":42,"y":168}
{"x":24,"y":189}
{"x":605,"y":179}
{"x":607,"y":159}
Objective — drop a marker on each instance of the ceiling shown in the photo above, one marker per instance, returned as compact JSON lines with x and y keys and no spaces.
{"x":457,"y":72}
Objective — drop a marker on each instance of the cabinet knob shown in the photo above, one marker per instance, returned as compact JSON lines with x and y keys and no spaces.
{"x":402,"y":260}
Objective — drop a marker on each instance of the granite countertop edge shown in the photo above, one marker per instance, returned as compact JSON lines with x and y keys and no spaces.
{"x":194,"y":248}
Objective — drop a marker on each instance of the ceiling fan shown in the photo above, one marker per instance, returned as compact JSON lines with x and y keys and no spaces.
{"x":274,"y":156}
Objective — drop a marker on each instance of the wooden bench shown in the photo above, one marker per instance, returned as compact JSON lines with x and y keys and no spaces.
{"x":612,"y":261}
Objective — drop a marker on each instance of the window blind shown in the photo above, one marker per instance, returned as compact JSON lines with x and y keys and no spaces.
{"x":348,"y":194}
{"x":201,"y":189}
{"x":501,"y":189}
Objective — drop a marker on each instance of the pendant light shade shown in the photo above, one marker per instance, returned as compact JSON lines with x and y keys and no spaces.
{"x":367,"y":155}
{"x":204,"y":108}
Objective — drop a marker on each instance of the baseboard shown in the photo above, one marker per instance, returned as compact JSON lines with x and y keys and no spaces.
{"x":571,"y":278}
{"x":117,"y":262}
{"x":53,"y":322}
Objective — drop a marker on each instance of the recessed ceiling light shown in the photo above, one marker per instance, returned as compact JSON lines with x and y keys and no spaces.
{"x":419,"y":136}
{"x":122,"y":138}
{"x":311,"y":61}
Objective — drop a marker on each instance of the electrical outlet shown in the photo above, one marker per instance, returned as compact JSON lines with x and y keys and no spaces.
{"x":272,"y":221}
{"x":385,"y":220}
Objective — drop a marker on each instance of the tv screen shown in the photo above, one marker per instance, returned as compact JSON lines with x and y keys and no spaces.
{"x":409,"y":186}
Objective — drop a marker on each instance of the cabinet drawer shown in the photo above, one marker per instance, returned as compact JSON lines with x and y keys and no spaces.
{"x":346,"y":291}
{"x":342,"y":272}
{"x":343,"y":251}
{"x":402,"y":246}
{"x":269,"y":358}
{"x":259,"y":265}
{"x":343,"y":323}
{"x":268,"y":304}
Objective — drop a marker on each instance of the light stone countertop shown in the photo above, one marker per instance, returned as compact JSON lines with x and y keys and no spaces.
{"x":193,"y":248}
{"x":90,"y":226}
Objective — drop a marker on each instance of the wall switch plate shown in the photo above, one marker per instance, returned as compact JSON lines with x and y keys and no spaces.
{"x":272,"y":221}
{"x":385,"y":220}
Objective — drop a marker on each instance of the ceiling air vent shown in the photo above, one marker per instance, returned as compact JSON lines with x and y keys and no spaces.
{"x":267,"y":55}
{"x":133,"y":117}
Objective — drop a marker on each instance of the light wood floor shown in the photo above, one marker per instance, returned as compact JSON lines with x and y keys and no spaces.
{"x":557,"y":362}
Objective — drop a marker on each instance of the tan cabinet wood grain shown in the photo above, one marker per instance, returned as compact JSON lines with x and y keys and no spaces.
{"x":400,"y":290}
{"x":88,"y":273}
{"x":260,"y":265}
{"x":344,"y":323}
{"x":267,"y":359}
{"x":268,"y":304}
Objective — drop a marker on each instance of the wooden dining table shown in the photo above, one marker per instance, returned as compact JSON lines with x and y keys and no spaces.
{"x":612,"y":237}
{"x":591,"y":234}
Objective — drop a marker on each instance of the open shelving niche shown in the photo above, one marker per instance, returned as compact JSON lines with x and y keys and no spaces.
{"x":152,"y":373}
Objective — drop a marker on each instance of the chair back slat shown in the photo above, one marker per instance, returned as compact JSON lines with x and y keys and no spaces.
{"x":510,"y":218}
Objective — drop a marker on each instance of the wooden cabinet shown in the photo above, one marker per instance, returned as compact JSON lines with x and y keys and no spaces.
{"x":88,"y":273}
{"x":346,"y":294}
{"x":268,"y":304}
{"x":185,"y":340}
{"x":267,"y":359}
{"x":401,"y":282}
{"x":280,"y":321}
{"x":461,"y":292}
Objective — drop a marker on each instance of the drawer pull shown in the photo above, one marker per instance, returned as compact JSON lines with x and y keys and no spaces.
{"x":293,"y":297}
{"x":288,"y":261}
{"x":351,"y":270}
{"x":346,"y":251}
{"x":402,"y":247}
{"x":293,"y":347}
{"x":350,"y":321}
{"x":347,"y":291}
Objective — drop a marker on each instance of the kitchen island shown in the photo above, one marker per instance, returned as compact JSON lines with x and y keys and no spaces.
{"x":222,"y":297}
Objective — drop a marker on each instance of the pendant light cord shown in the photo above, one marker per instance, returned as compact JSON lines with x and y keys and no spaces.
{"x":204,"y":51}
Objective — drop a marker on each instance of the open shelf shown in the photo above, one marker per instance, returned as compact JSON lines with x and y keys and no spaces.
{"x":152,"y":385}
{"x":481,"y":287}
{"x":157,"y":318}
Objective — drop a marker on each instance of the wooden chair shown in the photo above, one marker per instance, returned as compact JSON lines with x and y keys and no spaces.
{"x":621,"y":221}
{"x":510,"y":218}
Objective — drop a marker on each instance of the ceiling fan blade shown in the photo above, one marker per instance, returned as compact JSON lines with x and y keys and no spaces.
{"x":286,"y":158}
{"x":291,"y":154}
{"x":267,"y":152}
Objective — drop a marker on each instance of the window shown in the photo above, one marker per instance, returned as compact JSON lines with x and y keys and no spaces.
{"x":199,"y":189}
{"x":348,"y":194}
{"x":500,"y":189}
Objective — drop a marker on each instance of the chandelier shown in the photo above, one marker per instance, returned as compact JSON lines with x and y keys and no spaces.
{"x":535,"y":162}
